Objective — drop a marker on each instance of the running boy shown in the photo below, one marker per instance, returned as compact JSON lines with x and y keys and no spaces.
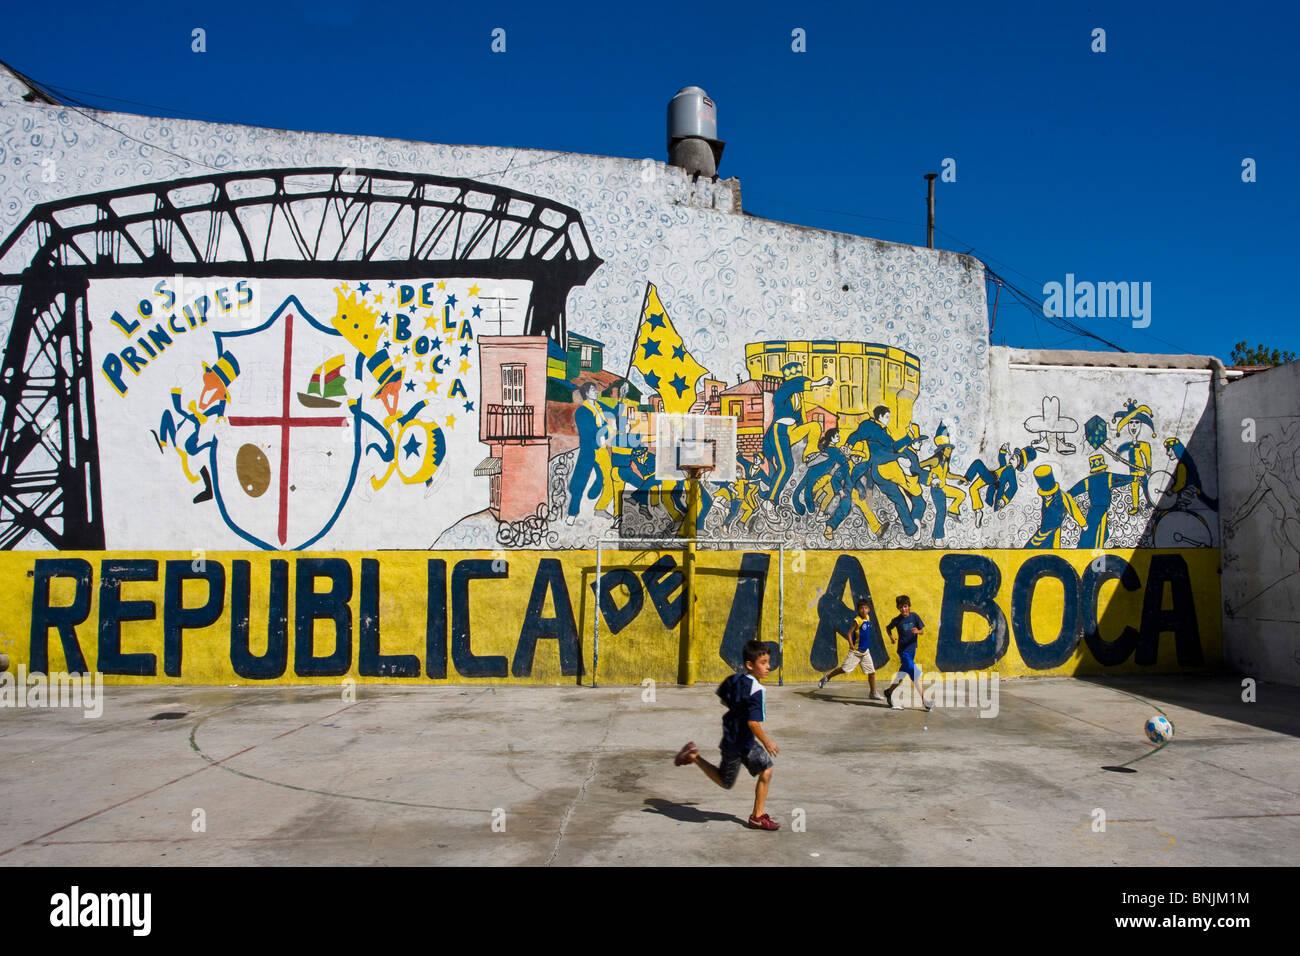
{"x":859,"y":636}
{"x":909,"y":627}
{"x":743,"y":740}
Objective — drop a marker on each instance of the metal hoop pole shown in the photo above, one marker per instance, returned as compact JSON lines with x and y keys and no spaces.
{"x":780,"y":615}
{"x":595,"y":644}
{"x":683,"y":543}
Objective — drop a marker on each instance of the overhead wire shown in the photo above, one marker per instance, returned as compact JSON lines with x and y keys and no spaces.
{"x":64,"y":92}
{"x":80,"y":106}
{"x":987,"y":258}
{"x":1058,"y":321}
{"x":1019,"y":295}
{"x":1030,"y":303}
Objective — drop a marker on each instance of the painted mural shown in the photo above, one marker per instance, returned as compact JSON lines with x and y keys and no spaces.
{"x":147,"y":306}
{"x":277,"y":431}
{"x":263,"y":367}
{"x":288,"y":408}
{"x":830,"y":455}
{"x":282,"y":401}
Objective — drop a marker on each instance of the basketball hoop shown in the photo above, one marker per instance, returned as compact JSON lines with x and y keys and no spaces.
{"x":692,"y":446}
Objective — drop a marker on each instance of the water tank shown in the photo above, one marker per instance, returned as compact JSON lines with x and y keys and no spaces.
{"x":692,"y":113}
{"x":693,"y":142}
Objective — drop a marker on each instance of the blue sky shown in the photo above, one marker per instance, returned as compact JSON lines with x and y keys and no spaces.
{"x":1117,"y":166}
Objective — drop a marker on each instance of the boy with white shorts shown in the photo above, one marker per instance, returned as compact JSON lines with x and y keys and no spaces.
{"x":859,"y":654}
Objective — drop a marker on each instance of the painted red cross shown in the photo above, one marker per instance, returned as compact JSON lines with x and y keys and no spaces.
{"x":286,"y":422}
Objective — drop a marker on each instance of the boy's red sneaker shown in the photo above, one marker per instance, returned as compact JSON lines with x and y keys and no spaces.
{"x":763,"y":823}
{"x":684,"y":755}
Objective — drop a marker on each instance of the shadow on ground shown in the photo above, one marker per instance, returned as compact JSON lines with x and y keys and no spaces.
{"x":1276,"y":707}
{"x":827,"y":696}
{"x":687,"y":812}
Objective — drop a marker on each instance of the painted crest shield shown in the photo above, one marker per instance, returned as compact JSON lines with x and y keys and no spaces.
{"x":285,"y":458}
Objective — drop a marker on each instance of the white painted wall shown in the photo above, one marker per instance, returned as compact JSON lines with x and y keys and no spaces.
{"x":1181,"y":401}
{"x":726,"y":279}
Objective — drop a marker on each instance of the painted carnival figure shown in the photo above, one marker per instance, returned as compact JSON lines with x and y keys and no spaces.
{"x":884,"y":451}
{"x":947,"y":497}
{"x":1135,"y":452}
{"x":635,"y":472}
{"x":833,"y":469}
{"x":788,"y":428}
{"x":617,"y":454}
{"x":217,"y":379}
{"x":1098,"y":486}
{"x":593,"y":433}
{"x":741,"y":495}
{"x":1186,"y":476}
{"x":1056,"y":505}
{"x":997,"y":486}
{"x":857,"y":493}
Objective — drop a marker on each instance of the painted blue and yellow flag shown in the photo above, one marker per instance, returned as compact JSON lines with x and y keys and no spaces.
{"x":661,"y":356}
{"x":556,"y":361}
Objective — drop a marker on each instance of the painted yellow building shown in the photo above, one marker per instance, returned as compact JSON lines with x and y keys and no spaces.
{"x":863,"y":376}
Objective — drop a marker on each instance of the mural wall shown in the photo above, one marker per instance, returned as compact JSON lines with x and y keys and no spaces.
{"x":351,"y":308}
{"x":1102,"y":457}
{"x":233,"y":340}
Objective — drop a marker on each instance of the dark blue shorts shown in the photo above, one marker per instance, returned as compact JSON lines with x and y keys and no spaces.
{"x":756,"y":761}
{"x":907,"y":664}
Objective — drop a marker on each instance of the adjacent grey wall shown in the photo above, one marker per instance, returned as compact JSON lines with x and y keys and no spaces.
{"x":1259,"y":474}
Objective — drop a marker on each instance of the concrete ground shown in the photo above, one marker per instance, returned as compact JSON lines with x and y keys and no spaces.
{"x":501,"y":775}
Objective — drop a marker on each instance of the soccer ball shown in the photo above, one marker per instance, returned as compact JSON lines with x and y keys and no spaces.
{"x":1159,"y":730}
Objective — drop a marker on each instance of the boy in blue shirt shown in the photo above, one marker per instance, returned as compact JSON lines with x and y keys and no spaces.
{"x":743,"y":740}
{"x":859,"y":653}
{"x":909,"y":627}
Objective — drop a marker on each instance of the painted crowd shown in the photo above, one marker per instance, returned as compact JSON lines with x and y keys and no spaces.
{"x":845,"y":480}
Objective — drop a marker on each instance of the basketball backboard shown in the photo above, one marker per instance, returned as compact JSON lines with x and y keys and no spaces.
{"x":695,"y":441}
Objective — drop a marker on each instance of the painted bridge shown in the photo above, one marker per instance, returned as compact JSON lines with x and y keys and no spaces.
{"x":325,"y":222}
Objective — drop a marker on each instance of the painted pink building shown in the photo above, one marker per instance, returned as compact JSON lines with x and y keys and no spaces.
{"x":827,"y":419}
{"x":751,"y":406}
{"x":512,"y":423}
